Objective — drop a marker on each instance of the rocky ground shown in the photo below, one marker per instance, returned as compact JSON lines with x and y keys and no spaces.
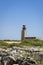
{"x":21,"y":56}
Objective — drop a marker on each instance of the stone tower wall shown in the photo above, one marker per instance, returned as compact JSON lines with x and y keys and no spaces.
{"x":23,"y":33}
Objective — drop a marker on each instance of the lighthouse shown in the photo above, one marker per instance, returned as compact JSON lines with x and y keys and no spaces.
{"x":23,"y":32}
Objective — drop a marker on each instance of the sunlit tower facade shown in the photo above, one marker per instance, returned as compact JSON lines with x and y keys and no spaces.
{"x":23,"y":33}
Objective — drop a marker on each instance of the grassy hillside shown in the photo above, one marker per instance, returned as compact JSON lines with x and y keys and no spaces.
{"x":34,"y":42}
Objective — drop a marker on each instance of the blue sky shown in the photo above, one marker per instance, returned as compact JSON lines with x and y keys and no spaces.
{"x":15,"y":13}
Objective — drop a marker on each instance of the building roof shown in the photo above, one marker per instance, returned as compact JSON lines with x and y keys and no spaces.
{"x":30,"y":37}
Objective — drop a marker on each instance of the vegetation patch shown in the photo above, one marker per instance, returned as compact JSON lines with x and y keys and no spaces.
{"x":34,"y":42}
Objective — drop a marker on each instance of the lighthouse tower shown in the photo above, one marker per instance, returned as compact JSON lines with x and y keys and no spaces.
{"x":23,"y":33}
